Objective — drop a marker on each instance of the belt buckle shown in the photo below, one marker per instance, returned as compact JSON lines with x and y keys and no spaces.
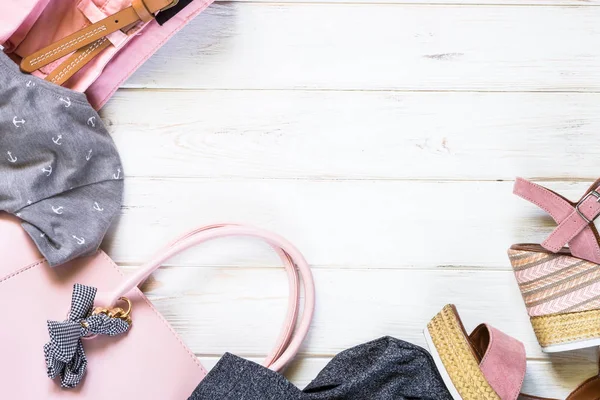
{"x":590,"y":194}
{"x":173,"y":4}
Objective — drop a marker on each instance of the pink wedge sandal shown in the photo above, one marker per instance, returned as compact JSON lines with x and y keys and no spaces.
{"x":485,"y":365}
{"x":561,"y":285}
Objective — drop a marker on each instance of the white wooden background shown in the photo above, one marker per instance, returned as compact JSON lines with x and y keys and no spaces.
{"x":382,"y":139}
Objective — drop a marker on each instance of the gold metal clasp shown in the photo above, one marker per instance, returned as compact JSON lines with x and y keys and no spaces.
{"x":116,"y":312}
{"x":173,"y":4}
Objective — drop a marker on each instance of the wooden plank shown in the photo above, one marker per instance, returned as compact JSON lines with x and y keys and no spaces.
{"x":355,"y":135}
{"x":549,"y":379}
{"x":241,"y":310}
{"x":411,"y":47}
{"x":211,"y":307}
{"x":378,"y":224}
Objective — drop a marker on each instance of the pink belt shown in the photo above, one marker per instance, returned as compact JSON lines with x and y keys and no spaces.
{"x":29,"y":25}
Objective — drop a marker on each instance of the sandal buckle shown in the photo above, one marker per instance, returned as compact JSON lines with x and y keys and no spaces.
{"x":590,"y":194}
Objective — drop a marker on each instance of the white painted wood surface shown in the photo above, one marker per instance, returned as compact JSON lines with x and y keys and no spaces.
{"x":382,"y":139}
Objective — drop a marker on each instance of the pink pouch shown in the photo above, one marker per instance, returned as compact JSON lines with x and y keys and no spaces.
{"x":28,"y":25}
{"x":148,"y":362}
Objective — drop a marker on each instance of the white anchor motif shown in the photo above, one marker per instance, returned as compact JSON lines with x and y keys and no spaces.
{"x":42,"y":235}
{"x":91,"y":122}
{"x":97,"y":207}
{"x":67,"y":101}
{"x":79,"y":240}
{"x":57,"y":140}
{"x":11,"y":158}
{"x":58,"y":210}
{"x":118,"y":174}
{"x":47,"y":171}
{"x":30,"y":84}
{"x":18,"y":123}
{"x":18,"y":215}
{"x":89,"y":155}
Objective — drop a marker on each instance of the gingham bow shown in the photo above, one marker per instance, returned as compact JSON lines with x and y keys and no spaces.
{"x":64,"y":353}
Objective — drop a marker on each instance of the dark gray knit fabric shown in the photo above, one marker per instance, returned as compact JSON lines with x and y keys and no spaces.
{"x":384,"y":369}
{"x":59,"y":169}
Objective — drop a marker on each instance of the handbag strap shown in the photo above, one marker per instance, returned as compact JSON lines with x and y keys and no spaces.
{"x":290,"y":340}
{"x":87,"y":43}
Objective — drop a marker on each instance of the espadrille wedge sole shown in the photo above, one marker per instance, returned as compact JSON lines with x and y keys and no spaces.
{"x":460,"y":362}
{"x":562,"y":296}
{"x":561,"y":285}
{"x":447,"y":375}
{"x":440,"y":366}
{"x":485,"y":365}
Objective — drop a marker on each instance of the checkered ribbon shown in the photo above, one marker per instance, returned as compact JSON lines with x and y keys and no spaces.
{"x":64,"y":353}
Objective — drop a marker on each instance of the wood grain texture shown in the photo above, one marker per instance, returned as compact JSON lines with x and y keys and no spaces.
{"x":210,"y":307}
{"x":376,"y":224}
{"x":356,"y":135}
{"x":239,"y":310}
{"x":381,"y":47}
{"x":382,"y":139}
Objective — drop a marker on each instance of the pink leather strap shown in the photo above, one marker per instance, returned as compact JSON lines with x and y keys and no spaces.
{"x":290,"y":340}
{"x":503,"y":363}
{"x":573,"y":219}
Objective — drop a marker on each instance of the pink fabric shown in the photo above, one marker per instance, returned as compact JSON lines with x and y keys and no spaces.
{"x":60,"y":18}
{"x":28,"y":25}
{"x":150,"y":361}
{"x":504,"y":364}
{"x":143,"y":46}
{"x":17,"y":18}
{"x":572,"y":228}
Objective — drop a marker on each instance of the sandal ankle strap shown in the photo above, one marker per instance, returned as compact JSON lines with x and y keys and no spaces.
{"x":575,"y":220}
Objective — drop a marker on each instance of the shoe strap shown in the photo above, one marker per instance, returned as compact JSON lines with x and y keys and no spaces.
{"x":503,"y":360}
{"x":588,"y":390}
{"x":574,"y":220}
{"x":88,"y":42}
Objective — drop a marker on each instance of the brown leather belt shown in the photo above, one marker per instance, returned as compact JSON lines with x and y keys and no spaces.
{"x":88,"y":42}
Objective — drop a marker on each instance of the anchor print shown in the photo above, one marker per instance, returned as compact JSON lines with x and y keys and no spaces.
{"x":30,"y":84}
{"x":67,"y":101}
{"x":57,"y":140}
{"x":89,"y":155}
{"x":47,"y":171}
{"x":18,"y":123}
{"x":29,"y":202}
{"x":42,"y":235}
{"x":118,"y":174}
{"x":11,"y":158}
{"x":91,"y":122}
{"x":58,"y":210}
{"x":79,"y":240}
{"x":97,"y":207}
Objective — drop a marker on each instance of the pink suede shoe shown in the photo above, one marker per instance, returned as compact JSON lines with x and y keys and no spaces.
{"x":561,"y":285}
{"x":485,"y":365}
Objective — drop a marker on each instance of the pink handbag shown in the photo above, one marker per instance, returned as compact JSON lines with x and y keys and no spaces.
{"x":149,"y":361}
{"x":28,"y":25}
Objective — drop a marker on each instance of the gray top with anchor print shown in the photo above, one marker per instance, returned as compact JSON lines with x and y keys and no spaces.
{"x":59,"y":169}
